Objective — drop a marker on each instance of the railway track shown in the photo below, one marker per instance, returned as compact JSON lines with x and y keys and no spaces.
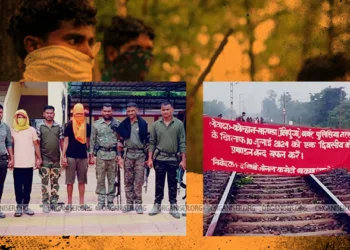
{"x":214,"y":187}
{"x":276,"y":205}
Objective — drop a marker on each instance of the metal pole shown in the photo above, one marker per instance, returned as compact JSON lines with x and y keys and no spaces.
{"x":231,"y":96}
{"x":90,"y":104}
{"x":284,"y":108}
{"x":340,"y":108}
{"x":239,"y":104}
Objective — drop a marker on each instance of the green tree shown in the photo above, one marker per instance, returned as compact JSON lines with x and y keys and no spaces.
{"x":270,"y":110}
{"x":340,"y":116}
{"x":215,"y":107}
{"x":323,"y":103}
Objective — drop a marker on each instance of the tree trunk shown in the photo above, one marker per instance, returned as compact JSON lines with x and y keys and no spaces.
{"x":330,"y":32}
{"x":121,"y":8}
{"x":11,"y":66}
{"x":145,"y":7}
{"x":251,"y":38}
{"x":309,"y":23}
{"x":154,"y":9}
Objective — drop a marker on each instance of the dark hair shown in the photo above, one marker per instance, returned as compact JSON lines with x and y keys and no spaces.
{"x":243,"y":113}
{"x":324,"y":68}
{"x":40,"y":17}
{"x":107,"y":105}
{"x":49,"y":107}
{"x":166,"y":103}
{"x":1,"y":107}
{"x":131,"y":104}
{"x":124,"y":30}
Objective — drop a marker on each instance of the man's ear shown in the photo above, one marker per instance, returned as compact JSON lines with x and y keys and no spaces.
{"x":32,"y":43}
{"x":111,"y":53}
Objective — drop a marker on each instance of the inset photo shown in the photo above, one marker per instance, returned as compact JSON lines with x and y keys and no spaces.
{"x":93,"y":158}
{"x":276,"y":159}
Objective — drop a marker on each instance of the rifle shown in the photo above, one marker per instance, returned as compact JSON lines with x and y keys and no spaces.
{"x":147,"y":169}
{"x":147,"y":172}
{"x":117,"y":184}
{"x":179,"y":177}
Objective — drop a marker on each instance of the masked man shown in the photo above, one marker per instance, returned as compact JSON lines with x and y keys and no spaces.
{"x":104,"y":145}
{"x":55,"y":39}
{"x":6,"y":153}
{"x":167,"y":140}
{"x":26,"y":147}
{"x":128,"y":45}
{"x":133,"y":131}
{"x":75,"y":155}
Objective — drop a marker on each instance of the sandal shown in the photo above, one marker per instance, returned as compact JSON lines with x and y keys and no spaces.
{"x":85,"y":208}
{"x":69,"y":208}
{"x":18,"y":212}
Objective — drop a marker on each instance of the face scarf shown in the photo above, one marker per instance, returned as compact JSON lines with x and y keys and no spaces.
{"x":21,"y":123}
{"x":79,"y":124}
{"x":129,"y":66}
{"x":59,"y":63}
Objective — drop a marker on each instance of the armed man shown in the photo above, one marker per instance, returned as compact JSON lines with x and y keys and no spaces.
{"x":133,"y":132}
{"x":167,"y":142}
{"x":103,"y":144}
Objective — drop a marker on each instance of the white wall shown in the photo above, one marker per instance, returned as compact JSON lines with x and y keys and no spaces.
{"x":57,"y":91}
{"x":11,"y":102}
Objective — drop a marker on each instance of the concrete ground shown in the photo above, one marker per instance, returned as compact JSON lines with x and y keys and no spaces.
{"x":89,"y":222}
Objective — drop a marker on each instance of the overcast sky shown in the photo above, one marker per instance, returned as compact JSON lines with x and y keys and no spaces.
{"x":251,"y":94}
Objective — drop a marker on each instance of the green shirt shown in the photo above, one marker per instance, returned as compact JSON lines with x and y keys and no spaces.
{"x":5,"y":138}
{"x":170,"y":139}
{"x":102,"y":135}
{"x":134,"y":142}
{"x":50,"y":141}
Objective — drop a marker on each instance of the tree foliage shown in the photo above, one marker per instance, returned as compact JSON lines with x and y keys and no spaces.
{"x":215,"y":107}
{"x":328,"y":108}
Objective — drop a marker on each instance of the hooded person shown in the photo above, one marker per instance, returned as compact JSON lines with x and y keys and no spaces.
{"x":55,"y":39}
{"x":75,"y":154}
{"x":27,"y":158}
{"x":128,"y":46}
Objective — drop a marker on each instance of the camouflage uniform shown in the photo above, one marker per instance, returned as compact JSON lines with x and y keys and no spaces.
{"x":134,"y":166}
{"x":50,"y":171}
{"x":50,"y":153}
{"x":103,"y":136}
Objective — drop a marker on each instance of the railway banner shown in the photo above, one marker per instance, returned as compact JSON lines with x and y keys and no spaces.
{"x":273,"y":149}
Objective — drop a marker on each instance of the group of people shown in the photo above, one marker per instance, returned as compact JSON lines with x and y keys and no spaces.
{"x":108,"y":143}
{"x":257,"y":120}
{"x":242,"y":118}
{"x":65,"y":48}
